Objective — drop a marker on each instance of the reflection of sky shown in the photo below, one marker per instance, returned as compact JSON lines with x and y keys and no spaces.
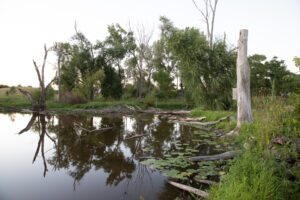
{"x":17,"y":171}
{"x":128,"y":124}
{"x":97,"y":122}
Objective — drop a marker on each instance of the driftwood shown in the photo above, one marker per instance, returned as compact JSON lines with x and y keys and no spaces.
{"x":208,"y":123}
{"x":208,"y":182}
{"x":136,"y":136}
{"x":224,"y":156}
{"x":187,"y":119}
{"x":77,"y":126}
{"x":190,"y":189}
{"x":154,"y":111}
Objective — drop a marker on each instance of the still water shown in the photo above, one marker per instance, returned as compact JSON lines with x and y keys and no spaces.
{"x":42,"y":157}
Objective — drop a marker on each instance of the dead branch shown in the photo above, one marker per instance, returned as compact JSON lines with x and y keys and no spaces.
{"x":188,"y":119}
{"x":28,"y":95}
{"x":182,"y":112}
{"x":208,"y":182}
{"x":209,"y":123}
{"x":222,"y":156}
{"x":190,"y":189}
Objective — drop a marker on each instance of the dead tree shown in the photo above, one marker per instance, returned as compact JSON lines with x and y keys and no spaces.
{"x":141,"y":55}
{"x":208,"y":15}
{"x":41,"y":105}
{"x":243,"y":81}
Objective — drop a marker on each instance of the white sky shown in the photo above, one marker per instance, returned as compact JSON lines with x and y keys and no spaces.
{"x":25,"y":25}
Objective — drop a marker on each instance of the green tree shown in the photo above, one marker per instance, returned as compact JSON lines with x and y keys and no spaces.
{"x":117,"y":45}
{"x":208,"y":74}
{"x":297,"y":61}
{"x":165,"y":83}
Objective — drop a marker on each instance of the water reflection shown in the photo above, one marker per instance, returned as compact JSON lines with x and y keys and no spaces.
{"x":107,"y":153}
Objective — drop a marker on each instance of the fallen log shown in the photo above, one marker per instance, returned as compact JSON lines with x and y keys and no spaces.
{"x":188,"y":119}
{"x":190,"y":189}
{"x":224,"y":156}
{"x":208,"y":123}
{"x":181,"y":112}
{"x":136,"y":136}
{"x":208,"y":182}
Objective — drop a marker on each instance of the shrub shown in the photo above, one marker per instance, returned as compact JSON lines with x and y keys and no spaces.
{"x":68,"y":97}
{"x":150,"y":99}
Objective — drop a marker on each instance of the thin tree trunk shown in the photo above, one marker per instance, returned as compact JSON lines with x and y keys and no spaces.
{"x":243,"y":81}
{"x":59,"y":80}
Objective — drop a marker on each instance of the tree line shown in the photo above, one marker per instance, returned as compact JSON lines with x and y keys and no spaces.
{"x":128,"y":65}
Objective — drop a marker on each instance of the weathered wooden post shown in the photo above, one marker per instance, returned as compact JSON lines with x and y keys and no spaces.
{"x":244,"y":113}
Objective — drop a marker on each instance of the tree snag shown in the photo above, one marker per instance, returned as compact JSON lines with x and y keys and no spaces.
{"x":41,"y":105}
{"x":243,"y":81}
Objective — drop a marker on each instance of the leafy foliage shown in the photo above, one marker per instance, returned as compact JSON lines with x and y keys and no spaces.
{"x":207,"y":74}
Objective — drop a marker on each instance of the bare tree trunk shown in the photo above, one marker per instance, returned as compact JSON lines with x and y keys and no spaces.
{"x":59,"y":80}
{"x":243,"y":81}
{"x":140,"y":86}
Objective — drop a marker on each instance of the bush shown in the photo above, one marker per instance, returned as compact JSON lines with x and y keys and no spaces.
{"x":11,"y":91}
{"x":4,"y":86}
{"x":150,"y":99}
{"x":68,"y":97}
{"x":36,"y":94}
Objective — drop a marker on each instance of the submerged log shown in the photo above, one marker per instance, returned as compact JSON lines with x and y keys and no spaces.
{"x":222,"y":156}
{"x":190,"y":189}
{"x":208,"y":182}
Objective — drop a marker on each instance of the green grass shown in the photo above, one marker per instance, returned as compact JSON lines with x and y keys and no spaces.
{"x":256,"y":174}
{"x":18,"y":100}
{"x":251,"y":177}
{"x":210,"y":115}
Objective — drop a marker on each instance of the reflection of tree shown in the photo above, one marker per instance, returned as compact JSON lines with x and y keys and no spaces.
{"x":42,"y":132}
{"x":105,"y":150}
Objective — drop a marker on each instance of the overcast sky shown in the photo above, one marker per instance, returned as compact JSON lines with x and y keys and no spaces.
{"x":26,"y":25}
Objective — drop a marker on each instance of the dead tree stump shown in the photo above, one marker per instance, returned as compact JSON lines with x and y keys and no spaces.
{"x":244,"y":113}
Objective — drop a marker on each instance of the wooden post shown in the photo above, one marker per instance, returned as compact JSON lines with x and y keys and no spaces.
{"x":243,"y":81}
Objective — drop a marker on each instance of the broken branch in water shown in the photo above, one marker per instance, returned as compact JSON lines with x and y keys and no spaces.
{"x":190,"y":189}
{"x":224,"y":156}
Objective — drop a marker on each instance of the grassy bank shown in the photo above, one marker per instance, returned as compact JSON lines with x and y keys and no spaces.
{"x":259,"y":173}
{"x":18,"y":100}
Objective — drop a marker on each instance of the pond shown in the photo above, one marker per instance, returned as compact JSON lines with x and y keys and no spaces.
{"x":42,"y":157}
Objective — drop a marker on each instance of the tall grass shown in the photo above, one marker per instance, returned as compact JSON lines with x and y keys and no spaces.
{"x":257,"y":174}
{"x":210,"y":115}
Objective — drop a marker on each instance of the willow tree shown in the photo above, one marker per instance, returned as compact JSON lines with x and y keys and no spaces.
{"x":208,"y":74}
{"x":39,"y":105}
